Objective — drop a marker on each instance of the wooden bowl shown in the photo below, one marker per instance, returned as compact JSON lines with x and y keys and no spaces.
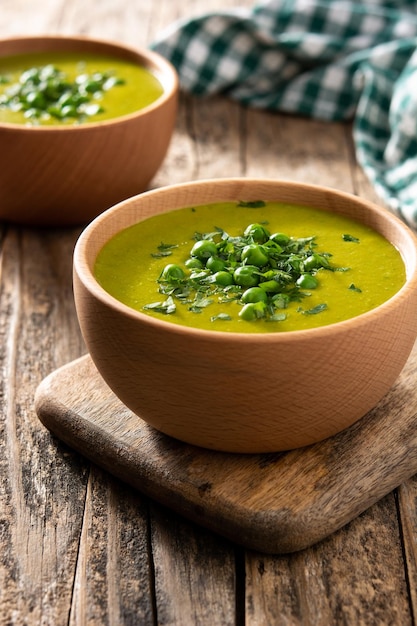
{"x":241,"y":392}
{"x":63,"y":175}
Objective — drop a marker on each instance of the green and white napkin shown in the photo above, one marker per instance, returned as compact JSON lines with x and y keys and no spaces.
{"x":327,"y":59}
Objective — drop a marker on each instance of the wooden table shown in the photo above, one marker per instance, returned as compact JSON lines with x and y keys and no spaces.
{"x":79,"y":546}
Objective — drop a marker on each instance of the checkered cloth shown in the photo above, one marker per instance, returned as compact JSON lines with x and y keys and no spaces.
{"x":328,"y":59}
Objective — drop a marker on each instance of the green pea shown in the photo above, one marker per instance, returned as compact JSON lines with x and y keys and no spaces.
{"x":252,"y":311}
{"x":30,"y":75}
{"x":66,"y":98}
{"x":223,"y":278}
{"x":46,"y":90}
{"x":270,"y":286}
{"x":172,"y":273}
{"x":78,"y":99}
{"x":215,"y":264}
{"x":69,"y":111}
{"x":259,"y":233}
{"x":280,"y":238}
{"x":307,"y":281}
{"x":315,"y":261}
{"x":55,"y":112}
{"x":194,"y":263}
{"x":36,"y":99}
{"x":246,"y":276}
{"x":204,"y":249}
{"x":54,"y":91}
{"x":255,"y":255}
{"x":254,"y":294}
{"x":92,"y":86}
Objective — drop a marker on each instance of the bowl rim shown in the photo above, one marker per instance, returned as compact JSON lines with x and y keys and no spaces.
{"x":85,"y":275}
{"x":161,"y":67}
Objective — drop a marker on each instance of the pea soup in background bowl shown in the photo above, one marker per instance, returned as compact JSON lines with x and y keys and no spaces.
{"x":249,"y":391}
{"x":84,"y":123}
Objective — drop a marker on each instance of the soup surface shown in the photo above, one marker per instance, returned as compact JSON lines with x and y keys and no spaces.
{"x":41,"y":88}
{"x":324,"y":268}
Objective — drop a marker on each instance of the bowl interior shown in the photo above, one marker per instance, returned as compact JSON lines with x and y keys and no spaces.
{"x":151,"y":61}
{"x":165,"y":199}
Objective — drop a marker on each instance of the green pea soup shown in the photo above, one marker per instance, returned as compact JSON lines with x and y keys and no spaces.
{"x":136,"y":88}
{"x":364,"y":269}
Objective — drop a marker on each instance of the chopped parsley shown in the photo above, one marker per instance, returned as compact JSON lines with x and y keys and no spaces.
{"x":254,"y":204}
{"x":164,"y":249}
{"x":351,"y":238}
{"x":262,"y":272}
{"x":316,"y":309}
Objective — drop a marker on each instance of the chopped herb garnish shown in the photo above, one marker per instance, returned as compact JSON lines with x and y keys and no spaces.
{"x":167,"y":307}
{"x":262,"y":272}
{"x":316,"y":309}
{"x":224,"y":317}
{"x":164,"y":249}
{"x":254,"y":204}
{"x":353,"y":287}
{"x":277,"y":317}
{"x":351,"y":238}
{"x":200,"y":303}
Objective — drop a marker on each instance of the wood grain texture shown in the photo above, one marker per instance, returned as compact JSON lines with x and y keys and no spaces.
{"x":82,"y":548}
{"x":42,"y":486}
{"x":273,"y":502}
{"x":342,"y":580}
{"x":182,"y":598}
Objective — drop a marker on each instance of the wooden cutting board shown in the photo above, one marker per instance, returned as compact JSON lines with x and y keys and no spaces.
{"x":273,"y":503}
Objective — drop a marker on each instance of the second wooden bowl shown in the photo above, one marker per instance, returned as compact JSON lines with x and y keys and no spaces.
{"x":62,"y":175}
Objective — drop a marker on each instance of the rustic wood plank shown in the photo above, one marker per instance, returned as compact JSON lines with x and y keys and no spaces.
{"x":90,"y":525}
{"x":356,"y":576}
{"x":215,"y":126}
{"x":133,"y":23}
{"x":180,"y":163}
{"x":195,"y":585}
{"x":62,"y":518}
{"x":114,"y":579}
{"x":315,"y":151}
{"x":297,"y":148}
{"x":407,"y":492}
{"x":273,"y":503}
{"x":17,"y":18}
{"x":407,"y":500}
{"x":46,"y":482}
{"x":42,"y":483}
